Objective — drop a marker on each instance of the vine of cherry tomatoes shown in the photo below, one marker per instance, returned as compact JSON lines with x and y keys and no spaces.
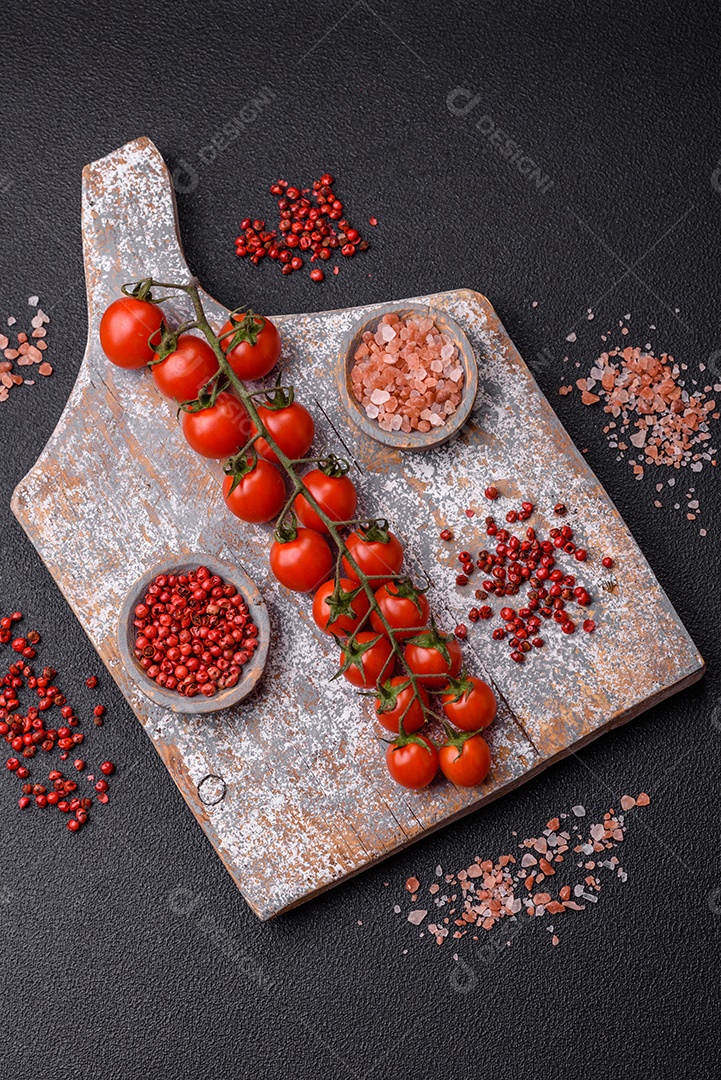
{"x":371,"y":637}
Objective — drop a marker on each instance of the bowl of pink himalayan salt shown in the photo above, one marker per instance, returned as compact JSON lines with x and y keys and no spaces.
{"x":409,"y":377}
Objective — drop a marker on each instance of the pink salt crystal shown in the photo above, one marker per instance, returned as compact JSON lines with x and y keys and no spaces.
{"x":403,"y":363}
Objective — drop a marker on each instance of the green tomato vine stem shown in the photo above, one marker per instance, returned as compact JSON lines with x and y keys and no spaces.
{"x":191,"y":289}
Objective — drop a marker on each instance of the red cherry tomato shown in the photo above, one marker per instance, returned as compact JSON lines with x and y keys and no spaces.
{"x":258,"y":350}
{"x":124,"y":331}
{"x":352,"y":609}
{"x":424,"y":656}
{"x":218,"y":431}
{"x":404,"y":608}
{"x":336,"y":496}
{"x":397,"y":699}
{"x":292,"y":428}
{"x":301,"y":564}
{"x":468,"y":764}
{"x":369,"y":658}
{"x":412,"y":765}
{"x":259,"y":496}
{"x":470,"y":704}
{"x":182,"y":373}
{"x":374,"y":557}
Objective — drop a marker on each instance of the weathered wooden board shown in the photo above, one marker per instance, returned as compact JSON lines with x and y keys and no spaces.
{"x":308,"y":802}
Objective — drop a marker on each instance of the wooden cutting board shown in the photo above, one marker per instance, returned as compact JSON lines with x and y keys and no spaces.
{"x":307,"y":799}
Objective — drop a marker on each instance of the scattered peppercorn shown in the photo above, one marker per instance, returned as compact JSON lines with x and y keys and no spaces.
{"x":316,"y":229}
{"x":30,"y":733}
{"x":532,"y":560}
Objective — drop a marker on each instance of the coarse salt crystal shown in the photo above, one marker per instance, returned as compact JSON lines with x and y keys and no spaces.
{"x":407,"y":365}
{"x":372,"y":411}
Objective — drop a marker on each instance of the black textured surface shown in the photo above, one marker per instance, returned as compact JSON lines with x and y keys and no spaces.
{"x":127,"y":952}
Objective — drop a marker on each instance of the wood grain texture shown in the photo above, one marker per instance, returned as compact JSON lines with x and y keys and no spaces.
{"x":308,"y":802}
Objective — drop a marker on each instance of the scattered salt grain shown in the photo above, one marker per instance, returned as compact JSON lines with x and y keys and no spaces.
{"x":578,"y":811}
{"x":484,"y":893}
{"x":24,"y":354}
{"x":653,"y":410}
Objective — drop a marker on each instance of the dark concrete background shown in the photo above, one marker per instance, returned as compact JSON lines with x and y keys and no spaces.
{"x":107,"y":972}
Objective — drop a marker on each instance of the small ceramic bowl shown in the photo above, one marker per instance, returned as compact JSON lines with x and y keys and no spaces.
{"x":252,"y":671}
{"x":411,"y":440}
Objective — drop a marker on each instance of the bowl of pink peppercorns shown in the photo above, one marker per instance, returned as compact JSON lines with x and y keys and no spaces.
{"x":408,"y":376}
{"x":194,"y":634}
